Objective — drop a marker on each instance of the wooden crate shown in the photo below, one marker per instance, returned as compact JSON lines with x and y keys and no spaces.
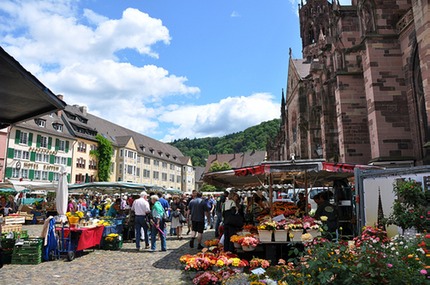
{"x":13,"y":220}
{"x":11,"y":228}
{"x":27,"y":216}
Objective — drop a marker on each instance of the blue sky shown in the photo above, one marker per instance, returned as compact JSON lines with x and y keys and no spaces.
{"x":168,"y":69}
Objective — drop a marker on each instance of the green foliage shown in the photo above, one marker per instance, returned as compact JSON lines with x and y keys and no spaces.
{"x":373,"y":259}
{"x":216,"y":166}
{"x":253,"y":138}
{"x":103,"y":153}
{"x":208,"y":188}
{"x":410,"y":206}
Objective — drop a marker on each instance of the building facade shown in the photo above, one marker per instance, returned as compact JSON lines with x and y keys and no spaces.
{"x":360,"y":92}
{"x":37,"y":148}
{"x":34,"y":151}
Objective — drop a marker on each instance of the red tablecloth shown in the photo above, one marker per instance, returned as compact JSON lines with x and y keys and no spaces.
{"x":89,"y":237}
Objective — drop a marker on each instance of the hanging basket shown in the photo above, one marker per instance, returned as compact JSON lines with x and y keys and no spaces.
{"x":265,"y":235}
{"x":281,"y":235}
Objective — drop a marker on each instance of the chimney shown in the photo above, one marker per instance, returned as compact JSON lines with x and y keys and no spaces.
{"x":60,"y":112}
{"x":83,"y":110}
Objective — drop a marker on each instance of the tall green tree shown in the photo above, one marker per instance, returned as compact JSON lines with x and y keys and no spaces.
{"x":103,"y":153}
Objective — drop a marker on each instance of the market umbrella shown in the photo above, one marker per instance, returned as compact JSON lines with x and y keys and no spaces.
{"x":62,"y":195}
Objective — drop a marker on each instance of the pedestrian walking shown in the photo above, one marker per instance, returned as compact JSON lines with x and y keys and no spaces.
{"x":197,"y":211}
{"x":141,"y":209}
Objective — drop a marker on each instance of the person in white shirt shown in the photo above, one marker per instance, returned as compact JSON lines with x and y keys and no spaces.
{"x":141,"y":209}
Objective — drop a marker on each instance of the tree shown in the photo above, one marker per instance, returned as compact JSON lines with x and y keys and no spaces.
{"x":103,"y":153}
{"x":216,"y":166}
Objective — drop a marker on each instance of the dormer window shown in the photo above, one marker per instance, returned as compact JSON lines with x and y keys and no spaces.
{"x":167,"y":155}
{"x":174,"y":157}
{"x":58,"y":127}
{"x":151,"y":150}
{"x":40,"y":122}
{"x":142,"y":147}
{"x":160,"y":153}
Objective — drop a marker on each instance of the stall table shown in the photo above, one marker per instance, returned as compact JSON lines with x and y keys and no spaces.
{"x":84,"y":237}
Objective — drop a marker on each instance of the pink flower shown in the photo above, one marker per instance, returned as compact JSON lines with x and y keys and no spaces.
{"x":423,"y":271}
{"x":389,"y":265}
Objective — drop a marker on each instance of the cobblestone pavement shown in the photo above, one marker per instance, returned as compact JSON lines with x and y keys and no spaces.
{"x":125,"y":266}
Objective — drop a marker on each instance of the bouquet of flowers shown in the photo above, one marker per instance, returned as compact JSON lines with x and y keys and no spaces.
{"x":212,"y":242}
{"x":269,"y":226}
{"x":259,"y":262}
{"x":77,"y":214}
{"x":311,"y":223}
{"x":282,"y":225}
{"x":207,"y":278}
{"x":235,"y":238}
{"x":295,"y":224}
{"x":249,"y":241}
{"x":237,"y":262}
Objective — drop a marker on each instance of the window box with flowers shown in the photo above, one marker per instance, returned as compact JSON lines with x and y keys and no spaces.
{"x":265,"y":231}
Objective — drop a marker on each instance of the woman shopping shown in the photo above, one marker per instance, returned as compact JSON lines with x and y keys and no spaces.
{"x":178,"y":215}
{"x":157,"y":224}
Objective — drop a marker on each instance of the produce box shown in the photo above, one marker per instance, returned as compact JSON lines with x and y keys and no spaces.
{"x":30,"y":252}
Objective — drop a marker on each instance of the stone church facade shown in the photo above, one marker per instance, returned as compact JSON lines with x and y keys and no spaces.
{"x":361,"y":92}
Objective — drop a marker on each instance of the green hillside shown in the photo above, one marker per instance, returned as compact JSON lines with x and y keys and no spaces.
{"x":253,"y":138}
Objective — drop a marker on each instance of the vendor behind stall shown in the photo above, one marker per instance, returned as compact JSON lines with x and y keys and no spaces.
{"x":325,"y":208}
{"x":115,"y":208}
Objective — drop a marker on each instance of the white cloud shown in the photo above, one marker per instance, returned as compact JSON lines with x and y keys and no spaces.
{"x":232,"y":114}
{"x":76,"y":53}
{"x":234,"y":14}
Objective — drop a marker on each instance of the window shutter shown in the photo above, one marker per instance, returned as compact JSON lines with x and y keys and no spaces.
{"x":8,"y":172}
{"x":49,"y":142}
{"x":67,"y":146}
{"x":51,"y":176}
{"x":31,"y":174}
{"x":32,"y":156}
{"x":68,"y":178}
{"x":51,"y":159}
{"x":69,"y":161}
{"x":30,"y":139}
{"x":57,"y":144}
{"x":17,"y":136}
{"x":39,"y":138}
{"x":10,"y":153}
